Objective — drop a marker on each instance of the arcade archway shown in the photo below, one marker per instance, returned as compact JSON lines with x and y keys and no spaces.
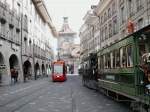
{"x":13,"y":61}
{"x":27,"y":69}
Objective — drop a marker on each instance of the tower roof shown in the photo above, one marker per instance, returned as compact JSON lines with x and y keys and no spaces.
{"x":65,"y":29}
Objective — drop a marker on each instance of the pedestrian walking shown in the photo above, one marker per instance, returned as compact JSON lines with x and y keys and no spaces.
{"x":13,"y":74}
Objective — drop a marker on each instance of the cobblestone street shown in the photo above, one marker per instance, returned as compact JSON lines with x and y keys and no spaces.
{"x":45,"y":96}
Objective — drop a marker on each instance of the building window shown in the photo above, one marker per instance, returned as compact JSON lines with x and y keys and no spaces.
{"x":110,"y":29}
{"x":140,"y":23}
{"x":113,"y":8}
{"x":12,"y":7}
{"x":3,"y":29}
{"x":26,"y":4}
{"x":17,"y":36}
{"x":131,"y":7}
{"x":25,"y":22}
{"x":139,"y":5}
{"x":122,"y":14}
{"x":109,"y":13}
{"x":102,"y":35}
{"x":11,"y":33}
{"x":105,"y":16}
{"x":106,"y":37}
{"x":102,"y":20}
{"x":18,"y":8}
{"x":115,"y":25}
{"x":31,"y":7}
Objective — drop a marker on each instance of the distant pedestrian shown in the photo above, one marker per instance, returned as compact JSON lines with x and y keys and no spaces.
{"x":13,"y":75}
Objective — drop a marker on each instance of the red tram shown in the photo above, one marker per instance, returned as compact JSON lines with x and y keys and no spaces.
{"x":59,"y":71}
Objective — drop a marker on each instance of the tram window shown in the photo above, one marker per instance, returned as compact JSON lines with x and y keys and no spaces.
{"x":111,"y":58}
{"x":114,"y":59}
{"x":105,"y":61}
{"x":102,"y":62}
{"x":108,"y":60}
{"x":117,"y":58}
{"x":123,"y":58}
{"x":129,"y":56}
{"x":99,"y":63}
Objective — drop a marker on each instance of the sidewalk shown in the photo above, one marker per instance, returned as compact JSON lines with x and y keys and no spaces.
{"x":22,"y":84}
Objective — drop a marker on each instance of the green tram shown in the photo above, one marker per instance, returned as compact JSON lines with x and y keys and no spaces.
{"x":120,"y":73}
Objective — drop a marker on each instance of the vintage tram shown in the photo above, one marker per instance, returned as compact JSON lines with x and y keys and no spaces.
{"x":122,"y":70}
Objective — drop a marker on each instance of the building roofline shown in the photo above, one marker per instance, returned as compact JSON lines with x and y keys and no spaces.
{"x":42,"y":10}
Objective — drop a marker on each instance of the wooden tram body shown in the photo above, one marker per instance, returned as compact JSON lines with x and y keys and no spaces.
{"x":118,"y":74}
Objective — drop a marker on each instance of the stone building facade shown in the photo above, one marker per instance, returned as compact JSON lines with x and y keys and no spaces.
{"x":10,"y":42}
{"x":25,"y":39}
{"x":107,"y":22}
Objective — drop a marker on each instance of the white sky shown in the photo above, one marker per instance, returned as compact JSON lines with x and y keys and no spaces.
{"x":73,"y":9}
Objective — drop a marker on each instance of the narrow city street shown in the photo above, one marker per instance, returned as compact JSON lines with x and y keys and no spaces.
{"x":44,"y":95}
